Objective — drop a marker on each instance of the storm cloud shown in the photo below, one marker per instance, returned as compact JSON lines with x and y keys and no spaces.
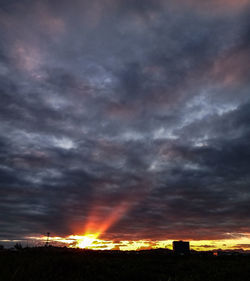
{"x":140,"y":104}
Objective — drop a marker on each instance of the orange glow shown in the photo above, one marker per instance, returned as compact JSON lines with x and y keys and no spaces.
{"x":99,"y":221}
{"x":101,"y":218}
{"x":86,"y":241}
{"x":94,"y":226}
{"x":91,"y":241}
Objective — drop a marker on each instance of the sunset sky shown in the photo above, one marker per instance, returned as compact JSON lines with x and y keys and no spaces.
{"x":125,"y":120}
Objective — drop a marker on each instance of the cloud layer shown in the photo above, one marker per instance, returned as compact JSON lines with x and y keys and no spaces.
{"x":139,"y":107}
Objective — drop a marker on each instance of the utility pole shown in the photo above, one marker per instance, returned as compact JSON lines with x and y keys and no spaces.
{"x":47,"y":241}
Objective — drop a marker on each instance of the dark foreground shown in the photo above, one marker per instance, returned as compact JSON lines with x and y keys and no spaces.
{"x":65,"y":265}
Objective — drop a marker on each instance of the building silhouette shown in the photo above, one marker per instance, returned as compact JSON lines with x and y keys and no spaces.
{"x":181,"y":247}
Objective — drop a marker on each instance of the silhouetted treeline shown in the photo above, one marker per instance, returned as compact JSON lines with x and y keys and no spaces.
{"x":63,"y":264}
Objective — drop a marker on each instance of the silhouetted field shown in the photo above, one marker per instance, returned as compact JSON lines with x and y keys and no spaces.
{"x":68,"y":265}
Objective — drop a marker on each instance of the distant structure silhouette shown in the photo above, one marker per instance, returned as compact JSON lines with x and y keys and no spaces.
{"x":47,"y":241}
{"x":181,"y":247}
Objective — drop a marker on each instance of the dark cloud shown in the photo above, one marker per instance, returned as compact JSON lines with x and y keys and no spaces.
{"x":139,"y":104}
{"x":240,"y":246}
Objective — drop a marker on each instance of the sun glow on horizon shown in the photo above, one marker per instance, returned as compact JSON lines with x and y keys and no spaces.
{"x":91,"y":236}
{"x":86,"y":241}
{"x":93,"y":242}
{"x":95,"y":227}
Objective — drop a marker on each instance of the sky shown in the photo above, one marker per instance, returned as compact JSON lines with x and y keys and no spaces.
{"x":125,"y":119}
